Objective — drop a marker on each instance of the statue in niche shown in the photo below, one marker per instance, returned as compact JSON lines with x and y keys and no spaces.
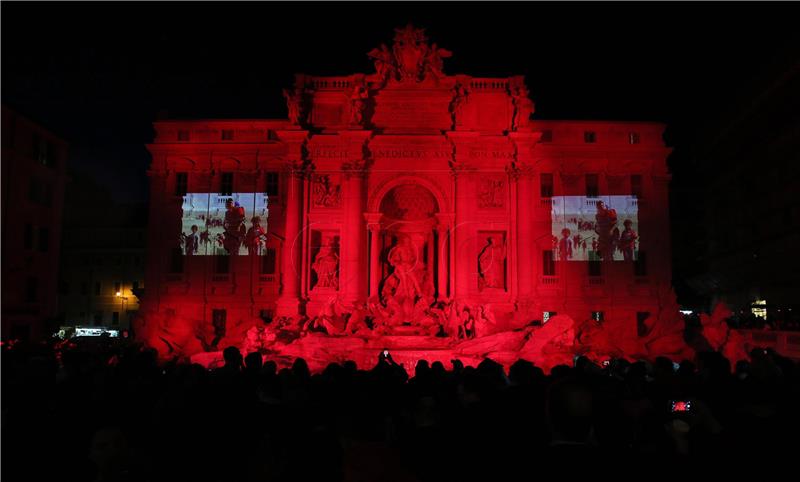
{"x":490,"y":195}
{"x":358,"y":103}
{"x":326,"y":265}
{"x":491,"y":265}
{"x":294,"y":105}
{"x":523,"y":108}
{"x":326,"y":194}
{"x":402,"y":288}
{"x":460,"y":94}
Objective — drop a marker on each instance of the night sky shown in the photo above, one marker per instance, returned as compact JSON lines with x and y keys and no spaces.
{"x":98,"y":74}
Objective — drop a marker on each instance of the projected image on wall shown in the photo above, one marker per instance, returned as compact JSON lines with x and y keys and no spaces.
{"x":216,"y":224}
{"x":590,"y":229}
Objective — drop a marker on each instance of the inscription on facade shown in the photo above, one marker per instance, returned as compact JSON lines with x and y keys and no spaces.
{"x":505,"y":155}
{"x":411,"y":154}
{"x":323,"y":153}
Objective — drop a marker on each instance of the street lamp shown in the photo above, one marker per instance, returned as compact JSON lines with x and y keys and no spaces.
{"x":122,"y":299}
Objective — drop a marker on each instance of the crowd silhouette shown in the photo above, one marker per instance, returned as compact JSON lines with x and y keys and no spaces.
{"x":108,"y":411}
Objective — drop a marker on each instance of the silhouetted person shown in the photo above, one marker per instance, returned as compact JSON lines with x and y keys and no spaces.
{"x":569,"y":415}
{"x":233,"y":361}
{"x":253,"y":364}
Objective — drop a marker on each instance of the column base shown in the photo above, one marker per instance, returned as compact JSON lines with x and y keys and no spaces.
{"x":288,"y":307}
{"x":354,"y":300}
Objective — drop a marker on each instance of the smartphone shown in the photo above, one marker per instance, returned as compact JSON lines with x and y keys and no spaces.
{"x":676,"y":366}
{"x":386,"y":353}
{"x":680,"y":406}
{"x":606,"y":363}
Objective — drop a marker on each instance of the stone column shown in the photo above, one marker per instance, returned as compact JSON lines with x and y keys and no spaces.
{"x":291,"y":258}
{"x":522,"y":174}
{"x":374,"y":226}
{"x":463,"y":236}
{"x":464,"y":258}
{"x":443,"y":253}
{"x":354,"y":253}
{"x":522,"y":169}
{"x":289,"y":303}
{"x":430,"y":239}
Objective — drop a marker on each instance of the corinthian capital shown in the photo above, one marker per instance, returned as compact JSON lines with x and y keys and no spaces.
{"x":355,"y":168}
{"x":298,"y":168}
{"x":458,"y":168}
{"x":517,"y":170}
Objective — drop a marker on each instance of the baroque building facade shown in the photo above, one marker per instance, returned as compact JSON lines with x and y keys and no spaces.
{"x":406,"y":189}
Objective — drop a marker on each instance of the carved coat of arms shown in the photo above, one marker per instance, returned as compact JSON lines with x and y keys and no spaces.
{"x":410,"y":45}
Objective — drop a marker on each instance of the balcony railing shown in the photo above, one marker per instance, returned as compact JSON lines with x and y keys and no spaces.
{"x":787,"y":343}
{"x":330,"y":83}
{"x":549,"y":280}
{"x":596,"y":280}
{"x":266,"y":278}
{"x":546,"y":202}
{"x":489,"y":84}
{"x":220,"y":278}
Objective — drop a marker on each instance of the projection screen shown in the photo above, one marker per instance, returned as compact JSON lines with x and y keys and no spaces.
{"x":596,"y":228}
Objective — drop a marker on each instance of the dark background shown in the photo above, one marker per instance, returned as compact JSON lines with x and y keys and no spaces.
{"x":99,"y":74}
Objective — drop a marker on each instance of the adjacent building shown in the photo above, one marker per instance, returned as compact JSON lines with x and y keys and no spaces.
{"x":748,"y":216}
{"x":33,"y":177}
{"x":102,"y":258}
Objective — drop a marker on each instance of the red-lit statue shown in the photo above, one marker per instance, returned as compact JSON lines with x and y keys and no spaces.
{"x":523,"y":108}
{"x":358,"y":102}
{"x":491,"y":262}
{"x":402,"y":286}
{"x":384,"y":64}
{"x":326,"y":266}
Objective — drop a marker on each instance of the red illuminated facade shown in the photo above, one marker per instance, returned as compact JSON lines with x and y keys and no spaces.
{"x":384,"y":191}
